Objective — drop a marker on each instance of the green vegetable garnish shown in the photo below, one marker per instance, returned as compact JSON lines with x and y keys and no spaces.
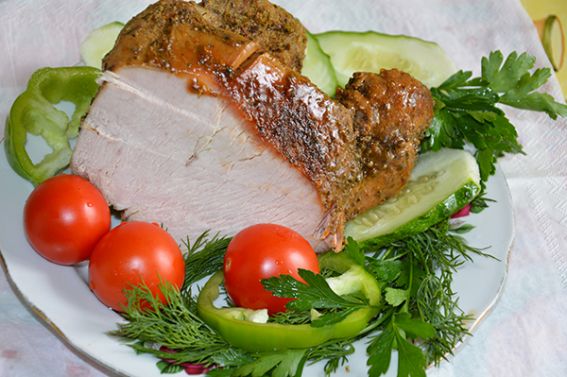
{"x":419,"y":304}
{"x":417,"y":272}
{"x":411,"y":360}
{"x":466,"y":109}
{"x":34,"y":112}
{"x":99,"y":42}
{"x":316,"y":292}
{"x":350,"y":315}
{"x":440,"y":184}
{"x":176,"y":326}
{"x":204,"y":257}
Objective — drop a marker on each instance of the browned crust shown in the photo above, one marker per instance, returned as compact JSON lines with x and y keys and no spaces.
{"x":153,"y":38}
{"x":312,"y":131}
{"x":269,"y":25}
{"x":146,"y":39}
{"x":391,"y":112}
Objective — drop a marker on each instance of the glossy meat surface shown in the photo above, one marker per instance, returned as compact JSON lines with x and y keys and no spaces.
{"x":313,"y":132}
{"x":391,"y":112}
{"x":147,"y":38}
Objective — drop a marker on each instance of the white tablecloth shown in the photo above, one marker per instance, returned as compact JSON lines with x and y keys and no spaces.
{"x":525,"y":335}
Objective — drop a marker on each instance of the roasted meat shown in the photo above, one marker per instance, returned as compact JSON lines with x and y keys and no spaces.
{"x":391,"y":112}
{"x":274,"y":29}
{"x":199,"y":127}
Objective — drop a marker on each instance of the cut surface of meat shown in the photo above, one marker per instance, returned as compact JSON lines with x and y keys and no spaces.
{"x":198,"y":127}
{"x":187,"y":161}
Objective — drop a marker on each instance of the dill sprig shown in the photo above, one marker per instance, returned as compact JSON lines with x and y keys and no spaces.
{"x":418,"y":273}
{"x":174,"y":325}
{"x":481,"y":202}
{"x":291,"y":317}
{"x":335,"y":353}
{"x":204,"y":257}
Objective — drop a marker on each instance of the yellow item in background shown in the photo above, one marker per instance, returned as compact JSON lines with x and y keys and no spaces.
{"x":550,"y":18}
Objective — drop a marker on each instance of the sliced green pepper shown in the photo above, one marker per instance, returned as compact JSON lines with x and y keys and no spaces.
{"x":259,"y":337}
{"x":34,"y":112}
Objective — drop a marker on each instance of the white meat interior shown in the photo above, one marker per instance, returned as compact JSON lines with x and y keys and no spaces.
{"x":188,"y":161}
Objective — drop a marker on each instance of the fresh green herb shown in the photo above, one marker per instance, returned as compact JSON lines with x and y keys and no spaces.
{"x":175,"y":326}
{"x":278,"y":364}
{"x":315,"y":293}
{"x":385,"y":270}
{"x":396,"y":297}
{"x":419,"y":272}
{"x":204,"y":257}
{"x":336,"y":353}
{"x":168,"y":368}
{"x":354,"y":251}
{"x":481,"y":202}
{"x":411,"y":361}
{"x":420,"y":307}
{"x":291,"y":317}
{"x":466,"y":109}
{"x":152,"y":324}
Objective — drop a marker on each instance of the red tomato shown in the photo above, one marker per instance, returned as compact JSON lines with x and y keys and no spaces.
{"x":64,"y":217}
{"x":259,"y":252}
{"x":132,"y":253}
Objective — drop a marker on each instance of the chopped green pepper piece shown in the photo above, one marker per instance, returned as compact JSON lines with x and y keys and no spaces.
{"x":34,"y":112}
{"x":259,"y":337}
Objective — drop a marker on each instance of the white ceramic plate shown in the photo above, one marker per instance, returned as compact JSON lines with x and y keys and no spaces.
{"x":60,"y":296}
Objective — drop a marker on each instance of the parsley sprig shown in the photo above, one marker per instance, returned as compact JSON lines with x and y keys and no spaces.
{"x":315,"y":293}
{"x":467,"y":112}
{"x":397,"y":332}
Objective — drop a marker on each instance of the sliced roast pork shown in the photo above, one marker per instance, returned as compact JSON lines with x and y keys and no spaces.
{"x":199,"y":127}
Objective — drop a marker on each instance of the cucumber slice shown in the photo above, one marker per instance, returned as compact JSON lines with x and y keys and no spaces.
{"x":371,"y":51}
{"x":317,"y":67}
{"x":441,"y":183}
{"x":99,"y":42}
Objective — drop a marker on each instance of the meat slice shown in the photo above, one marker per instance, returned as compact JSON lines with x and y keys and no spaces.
{"x":392,"y":110}
{"x":187,"y":161}
{"x":198,"y":127}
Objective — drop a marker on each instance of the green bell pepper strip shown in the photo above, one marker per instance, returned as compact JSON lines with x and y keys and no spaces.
{"x":34,"y":112}
{"x":261,"y":337}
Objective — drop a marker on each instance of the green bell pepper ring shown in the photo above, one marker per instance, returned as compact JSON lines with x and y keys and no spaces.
{"x":261,"y":337}
{"x":34,"y":112}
